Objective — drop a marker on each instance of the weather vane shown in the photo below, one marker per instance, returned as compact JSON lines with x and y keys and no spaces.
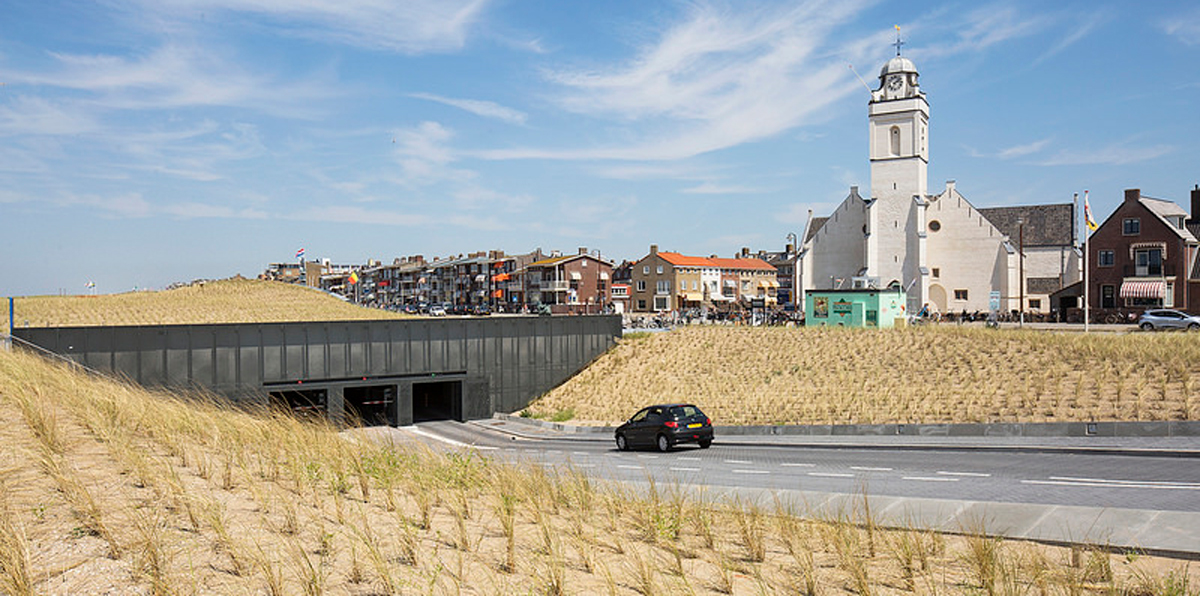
{"x":899,"y":42}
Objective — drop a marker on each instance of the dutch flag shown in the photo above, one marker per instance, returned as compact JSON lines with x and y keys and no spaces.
{"x":300,"y":254}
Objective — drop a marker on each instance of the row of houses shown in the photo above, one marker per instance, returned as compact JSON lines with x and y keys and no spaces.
{"x":564,"y":283}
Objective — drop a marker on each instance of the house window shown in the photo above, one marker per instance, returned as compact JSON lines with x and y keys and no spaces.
{"x":641,"y":285}
{"x":1035,"y":304}
{"x":641,"y":305}
{"x":1107,"y":258}
{"x":1108,"y":296}
{"x":660,"y":269}
{"x":645,"y":270}
{"x":1148,"y":262}
{"x":660,"y":302}
{"x":1169,"y":295}
{"x":1131,"y":226}
{"x":960,"y":294}
{"x":663,"y":287}
{"x":937,"y":272}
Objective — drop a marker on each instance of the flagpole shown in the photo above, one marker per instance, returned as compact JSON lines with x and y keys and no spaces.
{"x":1086,"y":228}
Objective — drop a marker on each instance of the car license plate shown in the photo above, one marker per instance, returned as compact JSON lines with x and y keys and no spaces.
{"x":695,"y":425}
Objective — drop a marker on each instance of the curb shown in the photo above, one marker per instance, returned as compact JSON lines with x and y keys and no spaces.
{"x":742,"y":436}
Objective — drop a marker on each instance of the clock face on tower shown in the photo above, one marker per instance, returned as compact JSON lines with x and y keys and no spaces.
{"x":895,"y":82}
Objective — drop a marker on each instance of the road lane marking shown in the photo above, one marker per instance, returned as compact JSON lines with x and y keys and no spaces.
{"x":554,"y":451}
{"x":584,"y":465}
{"x":688,"y":458}
{"x":449,"y":441}
{"x":738,"y":461}
{"x":736,"y":471}
{"x":931,"y":478}
{"x":647,"y":457}
{"x":967,"y":474}
{"x":631,"y":467}
{"x":583,"y":453}
{"x":870,"y":469}
{"x":831,"y":474}
{"x":788,"y":464}
{"x":1162,"y":482}
{"x":685,"y":469}
{"x":1112,"y":484}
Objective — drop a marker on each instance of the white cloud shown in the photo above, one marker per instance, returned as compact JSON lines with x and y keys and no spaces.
{"x":724,"y":76}
{"x":486,"y":109}
{"x":32,"y":115}
{"x":1117,"y":155}
{"x":1023,"y":150}
{"x":1183,"y":27}
{"x":713,"y":188}
{"x":359,"y":215}
{"x":410,"y":26}
{"x":985,"y":27}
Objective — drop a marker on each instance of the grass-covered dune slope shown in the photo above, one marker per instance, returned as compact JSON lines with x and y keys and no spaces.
{"x":826,"y":375}
{"x":106,"y":488}
{"x":233,"y":300}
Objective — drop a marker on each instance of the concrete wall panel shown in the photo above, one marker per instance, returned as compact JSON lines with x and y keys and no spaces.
{"x":506,"y":361}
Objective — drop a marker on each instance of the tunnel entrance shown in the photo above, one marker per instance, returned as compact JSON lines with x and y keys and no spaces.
{"x":441,"y":400}
{"x":372,"y":405}
{"x":302,"y":402}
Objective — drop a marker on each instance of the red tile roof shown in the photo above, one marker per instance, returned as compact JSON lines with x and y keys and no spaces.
{"x":679,"y":260}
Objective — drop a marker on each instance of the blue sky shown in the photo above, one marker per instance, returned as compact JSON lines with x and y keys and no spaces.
{"x":144,"y":142}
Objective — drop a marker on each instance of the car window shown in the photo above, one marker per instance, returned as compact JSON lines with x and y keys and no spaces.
{"x":656,"y":413}
{"x":640,"y":415}
{"x":685,"y":411}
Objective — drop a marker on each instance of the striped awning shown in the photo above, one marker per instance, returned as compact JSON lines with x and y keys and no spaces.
{"x":1143,"y":289}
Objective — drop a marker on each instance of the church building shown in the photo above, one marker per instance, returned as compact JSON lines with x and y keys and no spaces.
{"x":939,"y":249}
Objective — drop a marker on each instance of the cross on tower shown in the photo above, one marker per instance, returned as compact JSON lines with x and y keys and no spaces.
{"x":899,"y":42}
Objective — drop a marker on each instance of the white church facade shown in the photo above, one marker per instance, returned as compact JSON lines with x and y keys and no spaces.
{"x":941,"y":249}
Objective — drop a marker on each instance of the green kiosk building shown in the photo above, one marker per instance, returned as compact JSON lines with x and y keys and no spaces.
{"x":855,"y":308}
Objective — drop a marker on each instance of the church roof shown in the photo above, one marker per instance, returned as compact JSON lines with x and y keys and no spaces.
{"x":1045,"y":225}
{"x":817,"y":222}
{"x":897,"y":64}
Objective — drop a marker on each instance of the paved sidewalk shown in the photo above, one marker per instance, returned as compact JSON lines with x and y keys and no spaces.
{"x":1176,"y":446}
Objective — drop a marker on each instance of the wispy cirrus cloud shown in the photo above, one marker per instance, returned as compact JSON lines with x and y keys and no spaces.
{"x":1185,"y":27}
{"x":1117,"y":154}
{"x":486,"y":109}
{"x":723,"y":76}
{"x":411,"y":26}
{"x":1023,"y":150}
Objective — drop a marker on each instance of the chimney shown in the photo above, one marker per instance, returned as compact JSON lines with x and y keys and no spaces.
{"x":653,"y":249}
{"x":583,"y":250}
{"x":1195,"y":203}
{"x":950,"y":186}
{"x":791,"y":248}
{"x":1132,"y":195}
{"x":745,"y":252}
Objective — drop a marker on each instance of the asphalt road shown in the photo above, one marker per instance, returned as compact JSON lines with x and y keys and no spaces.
{"x":1104,"y":481}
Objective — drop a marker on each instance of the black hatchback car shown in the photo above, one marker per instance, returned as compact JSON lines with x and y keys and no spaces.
{"x":665,"y":426}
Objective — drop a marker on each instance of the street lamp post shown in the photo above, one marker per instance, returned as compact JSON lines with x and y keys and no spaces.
{"x":1021,"y":265}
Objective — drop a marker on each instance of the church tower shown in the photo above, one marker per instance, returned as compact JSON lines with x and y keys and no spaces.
{"x":899,"y":150}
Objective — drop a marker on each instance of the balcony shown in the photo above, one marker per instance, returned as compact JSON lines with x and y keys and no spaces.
{"x":556,"y":286}
{"x":1163,"y":270}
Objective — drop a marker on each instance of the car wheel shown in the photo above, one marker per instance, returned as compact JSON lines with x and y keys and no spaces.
{"x":664,"y":444}
{"x":1194,"y":327}
{"x":622,"y":445}
{"x":1147,"y":326}
{"x":706,"y":444}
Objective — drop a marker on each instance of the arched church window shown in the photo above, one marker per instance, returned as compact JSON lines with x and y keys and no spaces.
{"x":895,"y":140}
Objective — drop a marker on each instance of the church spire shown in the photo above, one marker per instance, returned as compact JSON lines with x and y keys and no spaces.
{"x":899,"y":42}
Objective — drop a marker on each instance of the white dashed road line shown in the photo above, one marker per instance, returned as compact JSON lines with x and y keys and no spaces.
{"x":685,"y":469}
{"x":631,"y":467}
{"x":736,"y":471}
{"x":869,"y":469}
{"x":831,"y":474}
{"x":738,"y":461}
{"x":788,"y":464}
{"x":1102,"y":483}
{"x":931,"y":478}
{"x":688,"y":458}
{"x":967,"y":474}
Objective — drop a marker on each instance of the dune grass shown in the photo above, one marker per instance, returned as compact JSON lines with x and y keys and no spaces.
{"x":110,"y":488}
{"x":946,"y":374}
{"x":234,"y":300}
